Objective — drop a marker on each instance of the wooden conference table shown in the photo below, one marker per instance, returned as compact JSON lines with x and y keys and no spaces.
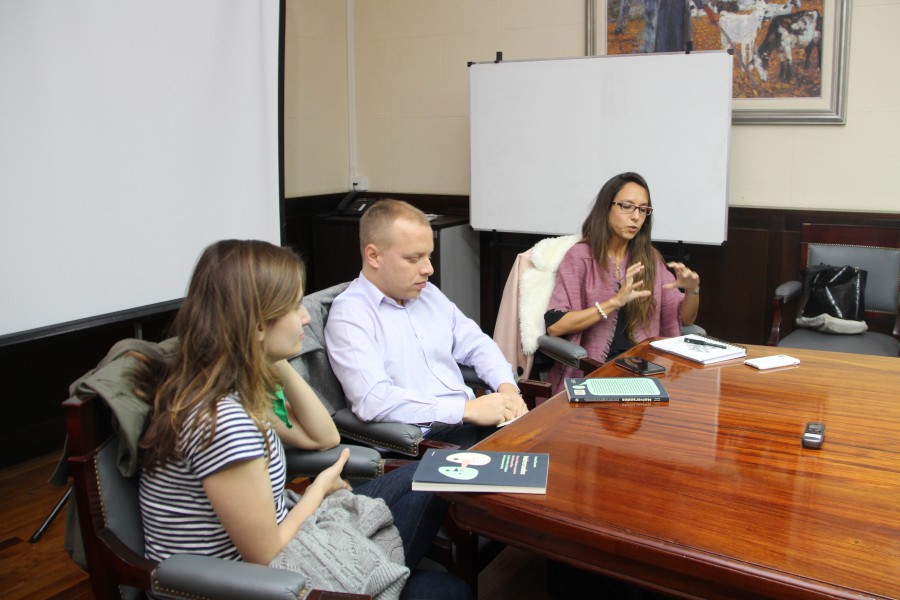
{"x":711,"y":495}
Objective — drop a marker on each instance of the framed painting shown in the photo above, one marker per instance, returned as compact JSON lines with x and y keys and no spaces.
{"x":790,"y":56}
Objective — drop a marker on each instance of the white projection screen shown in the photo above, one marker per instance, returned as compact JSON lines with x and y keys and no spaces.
{"x":546,"y":134}
{"x":132,"y":134}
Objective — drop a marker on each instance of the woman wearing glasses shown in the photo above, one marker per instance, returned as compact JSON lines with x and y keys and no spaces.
{"x":613,"y":288}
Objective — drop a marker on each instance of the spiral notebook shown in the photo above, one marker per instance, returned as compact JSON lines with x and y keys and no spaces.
{"x":700,"y":348}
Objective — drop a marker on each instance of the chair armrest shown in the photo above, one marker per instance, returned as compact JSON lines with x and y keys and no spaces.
{"x":364,"y":462}
{"x":692,"y":329}
{"x":426,"y":444}
{"x":532,"y":389}
{"x":191,"y":575}
{"x":529,"y":388}
{"x":534,"y":386}
{"x":788,"y":290}
{"x":398,"y":437}
{"x":896,"y":331}
{"x":563,"y":351}
{"x":784,"y":293}
{"x":471,"y":378}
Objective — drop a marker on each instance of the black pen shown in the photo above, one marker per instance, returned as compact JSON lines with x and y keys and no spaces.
{"x":703,"y":343}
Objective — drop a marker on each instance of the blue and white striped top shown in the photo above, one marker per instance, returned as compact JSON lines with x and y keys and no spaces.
{"x":178,"y":517}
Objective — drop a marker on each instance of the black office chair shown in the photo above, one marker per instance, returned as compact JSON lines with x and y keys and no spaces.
{"x":875,"y":249}
{"x":113,"y":537}
{"x":312,"y":364}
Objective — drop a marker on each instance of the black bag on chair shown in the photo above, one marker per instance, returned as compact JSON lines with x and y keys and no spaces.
{"x":835,"y":291}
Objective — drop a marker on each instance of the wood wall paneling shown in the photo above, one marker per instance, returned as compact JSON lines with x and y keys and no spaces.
{"x":330,"y":247}
{"x":36,"y":377}
{"x":738,"y":278}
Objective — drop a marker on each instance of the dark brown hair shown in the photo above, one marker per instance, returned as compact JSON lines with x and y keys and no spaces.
{"x":597,"y":233}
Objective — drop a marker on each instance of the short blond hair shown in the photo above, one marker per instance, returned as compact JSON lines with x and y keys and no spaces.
{"x":375,"y":224}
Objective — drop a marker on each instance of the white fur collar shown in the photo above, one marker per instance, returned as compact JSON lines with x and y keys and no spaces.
{"x":536,"y":286}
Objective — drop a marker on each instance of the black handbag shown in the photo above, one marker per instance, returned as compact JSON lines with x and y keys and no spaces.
{"x":836,"y":291}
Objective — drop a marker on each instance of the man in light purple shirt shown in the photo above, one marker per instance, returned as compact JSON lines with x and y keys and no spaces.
{"x":394,"y":340}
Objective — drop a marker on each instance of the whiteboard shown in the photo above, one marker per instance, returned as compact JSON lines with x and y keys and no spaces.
{"x":132,"y":135}
{"x":546,"y":135}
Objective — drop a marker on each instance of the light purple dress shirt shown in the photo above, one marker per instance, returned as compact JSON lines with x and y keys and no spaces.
{"x":399,"y":363}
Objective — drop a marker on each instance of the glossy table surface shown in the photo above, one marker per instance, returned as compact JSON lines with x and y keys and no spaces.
{"x":711,"y":494}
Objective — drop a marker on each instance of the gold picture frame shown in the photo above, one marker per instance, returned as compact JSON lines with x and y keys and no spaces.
{"x":807,"y":95}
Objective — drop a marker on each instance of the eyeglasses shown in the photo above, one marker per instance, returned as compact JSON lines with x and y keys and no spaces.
{"x":628,"y":208}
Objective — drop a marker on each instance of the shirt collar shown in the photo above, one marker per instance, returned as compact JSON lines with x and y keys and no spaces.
{"x":376,"y":296}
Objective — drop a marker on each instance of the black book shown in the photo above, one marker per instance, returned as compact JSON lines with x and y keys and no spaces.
{"x":615,"y":389}
{"x":482,"y":471}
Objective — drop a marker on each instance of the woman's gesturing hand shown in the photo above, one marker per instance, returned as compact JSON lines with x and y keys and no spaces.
{"x":631,"y":286}
{"x":685,"y":279}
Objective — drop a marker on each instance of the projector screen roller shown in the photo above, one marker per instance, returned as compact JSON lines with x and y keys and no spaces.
{"x":132,"y":134}
{"x":546,"y":135}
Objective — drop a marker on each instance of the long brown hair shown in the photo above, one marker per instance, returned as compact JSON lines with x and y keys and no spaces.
{"x":237,"y":289}
{"x":597,"y":233}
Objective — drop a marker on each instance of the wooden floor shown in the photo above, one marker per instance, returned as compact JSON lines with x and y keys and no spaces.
{"x":43,"y":570}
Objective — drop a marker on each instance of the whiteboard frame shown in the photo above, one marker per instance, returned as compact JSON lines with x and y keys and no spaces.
{"x":539,"y":156}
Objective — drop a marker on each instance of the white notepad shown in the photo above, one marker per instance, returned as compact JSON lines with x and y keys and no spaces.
{"x":700,"y":348}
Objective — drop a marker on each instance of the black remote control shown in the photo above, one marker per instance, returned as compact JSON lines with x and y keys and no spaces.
{"x":813,"y":435}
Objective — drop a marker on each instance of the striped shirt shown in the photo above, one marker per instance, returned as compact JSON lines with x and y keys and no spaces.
{"x":178,"y":517}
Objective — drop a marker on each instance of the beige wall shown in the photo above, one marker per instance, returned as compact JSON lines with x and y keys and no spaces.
{"x":316,"y":151}
{"x":411,"y":102}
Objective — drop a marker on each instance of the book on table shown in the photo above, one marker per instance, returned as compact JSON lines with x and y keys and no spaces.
{"x":449,"y":470}
{"x":615,"y":389}
{"x":700,"y":348}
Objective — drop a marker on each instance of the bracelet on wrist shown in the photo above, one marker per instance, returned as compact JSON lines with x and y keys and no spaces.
{"x":693,"y":292}
{"x":600,"y":310}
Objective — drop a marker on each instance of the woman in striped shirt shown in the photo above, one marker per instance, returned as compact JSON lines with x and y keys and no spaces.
{"x":213,"y":477}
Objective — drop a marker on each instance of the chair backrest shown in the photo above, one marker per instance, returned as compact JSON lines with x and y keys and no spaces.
{"x":536,"y":286}
{"x":312,"y":361}
{"x":121,"y":507}
{"x":119,"y":498}
{"x":107,"y":502}
{"x":875,"y":249}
